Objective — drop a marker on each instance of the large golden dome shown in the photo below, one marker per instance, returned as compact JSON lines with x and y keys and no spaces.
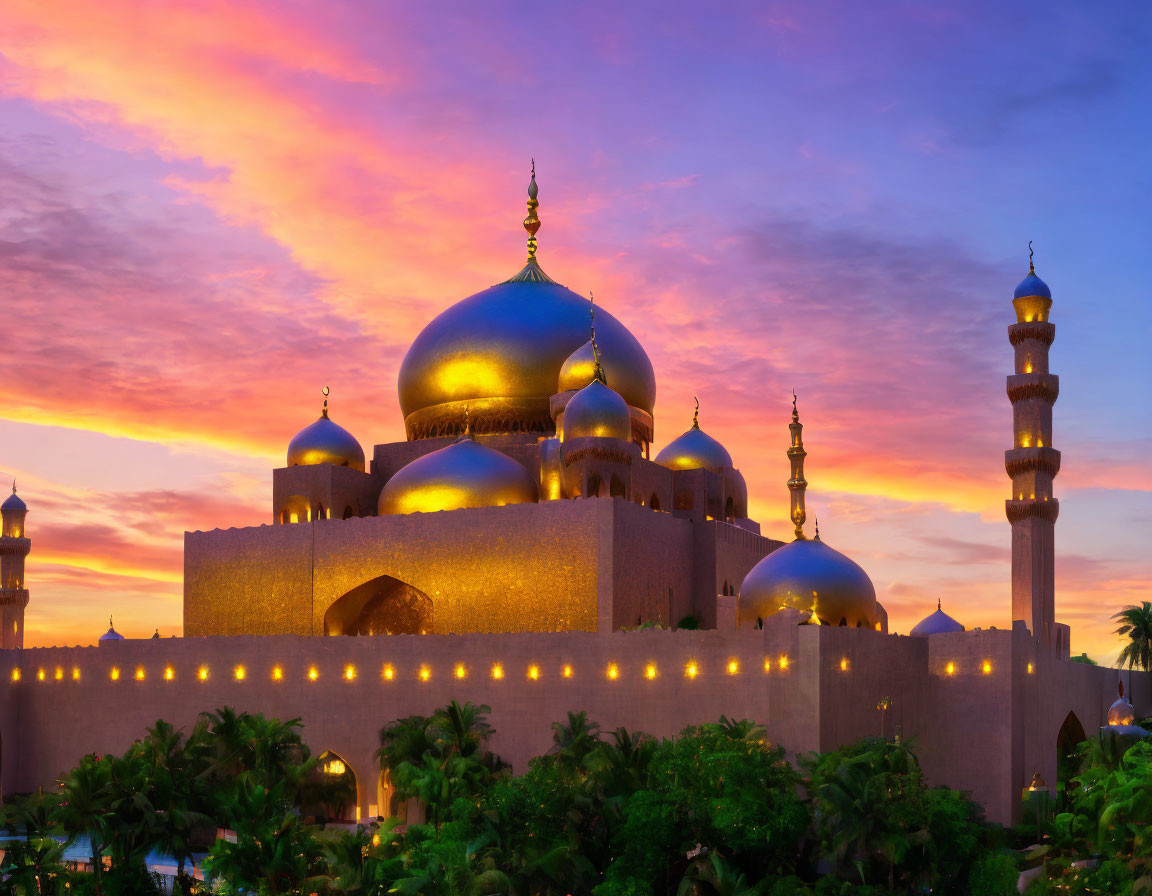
{"x":464,"y":474}
{"x":325,"y":442}
{"x":599,"y":412}
{"x":695,"y":450}
{"x":499,"y":354}
{"x":808,"y":575}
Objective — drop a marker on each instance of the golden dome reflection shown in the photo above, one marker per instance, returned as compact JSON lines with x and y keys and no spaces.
{"x":579,"y":370}
{"x":463,"y":474}
{"x":599,"y":412}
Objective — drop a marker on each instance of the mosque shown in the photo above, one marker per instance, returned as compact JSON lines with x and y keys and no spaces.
{"x":523,"y":549}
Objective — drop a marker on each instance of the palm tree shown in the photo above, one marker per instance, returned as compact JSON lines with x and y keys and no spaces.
{"x":716,"y":877}
{"x":461,"y":729}
{"x":1136,"y":626}
{"x":31,"y":863}
{"x":573,"y":741}
{"x":85,"y":805}
{"x":744,"y":729}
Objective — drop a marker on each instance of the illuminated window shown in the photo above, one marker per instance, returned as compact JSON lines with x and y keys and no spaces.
{"x":497,"y":671}
{"x":566,"y":671}
{"x":534,"y":672}
{"x":986,"y":667}
{"x":75,"y":673}
{"x":950,"y":669}
{"x":650,"y":671}
{"x":691,"y":670}
{"x":349,"y":672}
{"x":613,"y":671}
{"x":277,"y":673}
{"x":767,"y":664}
{"x":40,"y":675}
{"x":313,"y":673}
{"x":460,"y":671}
{"x":733,"y":667}
{"x":59,"y":674}
{"x":239,"y":673}
{"x":1029,"y":668}
{"x":202,"y":673}
{"x":877,"y":626}
{"x":169,"y":673}
{"x":335,"y":767}
{"x":15,"y":674}
{"x":844,"y":664}
{"x":389,"y":673}
{"x":783,"y":662}
{"x":114,"y":674}
{"x":425,"y":673}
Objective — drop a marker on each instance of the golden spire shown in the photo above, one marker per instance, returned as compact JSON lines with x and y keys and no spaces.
{"x":598,"y":371}
{"x":468,"y":424}
{"x":324,"y":411}
{"x":797,"y":484}
{"x":1031,"y":267}
{"x":532,"y":222}
{"x":696,"y":414}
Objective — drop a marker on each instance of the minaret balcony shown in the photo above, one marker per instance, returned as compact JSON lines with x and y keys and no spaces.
{"x":1042,"y":331}
{"x":1031,"y":508}
{"x":1029,"y":460}
{"x":1023,"y":386}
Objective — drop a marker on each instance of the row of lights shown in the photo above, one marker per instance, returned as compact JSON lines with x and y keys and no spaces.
{"x":423,"y":673}
{"x":460,"y":671}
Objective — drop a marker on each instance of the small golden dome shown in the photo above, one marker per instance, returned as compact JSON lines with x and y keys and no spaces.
{"x":464,"y":474}
{"x":1121,"y":712}
{"x":695,"y":450}
{"x":808,"y":575}
{"x":325,"y":442}
{"x":579,"y":370}
{"x":599,"y":412}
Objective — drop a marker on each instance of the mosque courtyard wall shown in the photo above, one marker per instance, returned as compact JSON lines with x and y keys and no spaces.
{"x":813,"y":687}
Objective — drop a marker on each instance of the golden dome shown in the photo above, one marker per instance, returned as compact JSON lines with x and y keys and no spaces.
{"x":695,"y":450}
{"x":464,"y":474}
{"x":1121,"y":712}
{"x":325,"y":442}
{"x":500,"y":352}
{"x":807,"y":575}
{"x":597,"y":411}
{"x":579,"y":370}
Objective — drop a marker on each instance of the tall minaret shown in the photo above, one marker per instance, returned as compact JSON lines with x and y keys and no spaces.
{"x":1032,"y":462}
{"x":13,"y":549}
{"x":797,"y":483}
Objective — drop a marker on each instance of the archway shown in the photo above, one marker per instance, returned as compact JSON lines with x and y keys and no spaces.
{"x":729,"y":510}
{"x":1071,"y":734}
{"x":296,"y":510}
{"x":654,"y":501}
{"x":592,"y":487}
{"x":616,"y":489}
{"x":381,"y":606}
{"x":330,"y":790}
{"x":349,"y":512}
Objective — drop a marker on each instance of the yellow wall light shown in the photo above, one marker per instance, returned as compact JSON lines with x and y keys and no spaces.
{"x":613,"y":671}
{"x":566,"y":671}
{"x":534,"y":672}
{"x":460,"y":671}
{"x":986,"y":667}
{"x":733,"y":667}
{"x":313,"y":673}
{"x":277,"y":673}
{"x":239,"y":673}
{"x":114,"y":674}
{"x":169,"y":673}
{"x":691,"y":670}
{"x":202,"y":673}
{"x":388,"y":673}
{"x":650,"y":671}
{"x":497,"y":671}
{"x":349,"y":672}
{"x":425,"y":673}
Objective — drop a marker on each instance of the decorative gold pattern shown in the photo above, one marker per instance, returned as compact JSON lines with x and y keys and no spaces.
{"x":1029,"y":507}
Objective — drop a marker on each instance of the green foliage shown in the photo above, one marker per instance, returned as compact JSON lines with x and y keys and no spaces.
{"x":1136,"y":626}
{"x":689,"y":623}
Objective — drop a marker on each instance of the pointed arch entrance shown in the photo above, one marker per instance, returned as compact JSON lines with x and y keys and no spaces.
{"x":1070,"y":736}
{"x":381,"y":606}
{"x":331,"y":790}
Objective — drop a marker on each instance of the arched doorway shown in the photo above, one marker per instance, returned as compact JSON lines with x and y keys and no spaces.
{"x":330,"y":793}
{"x":616,"y":488}
{"x":1067,"y":759}
{"x":381,"y":606}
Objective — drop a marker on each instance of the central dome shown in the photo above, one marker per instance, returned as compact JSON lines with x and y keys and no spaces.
{"x":498,"y":354}
{"x":496,"y":357}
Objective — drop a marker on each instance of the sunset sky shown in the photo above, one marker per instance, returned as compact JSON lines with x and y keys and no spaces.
{"x":209,"y":210}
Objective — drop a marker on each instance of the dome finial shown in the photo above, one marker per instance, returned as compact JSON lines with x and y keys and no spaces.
{"x":324,"y":410}
{"x":797,"y":484}
{"x":1031,"y":267}
{"x":532,"y":221}
{"x":937,"y":603}
{"x":816,"y":523}
{"x":468,"y":423}
{"x":795,"y":413}
{"x":598,"y":370}
{"x":696,"y":414}
{"x":13,"y":486}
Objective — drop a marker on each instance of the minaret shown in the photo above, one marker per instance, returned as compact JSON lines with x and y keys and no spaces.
{"x":797,"y":483}
{"x":1032,"y":462}
{"x":14,"y":548}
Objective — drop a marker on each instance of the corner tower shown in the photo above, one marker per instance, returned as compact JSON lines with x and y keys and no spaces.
{"x":14,"y":548}
{"x":1032,"y":462}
